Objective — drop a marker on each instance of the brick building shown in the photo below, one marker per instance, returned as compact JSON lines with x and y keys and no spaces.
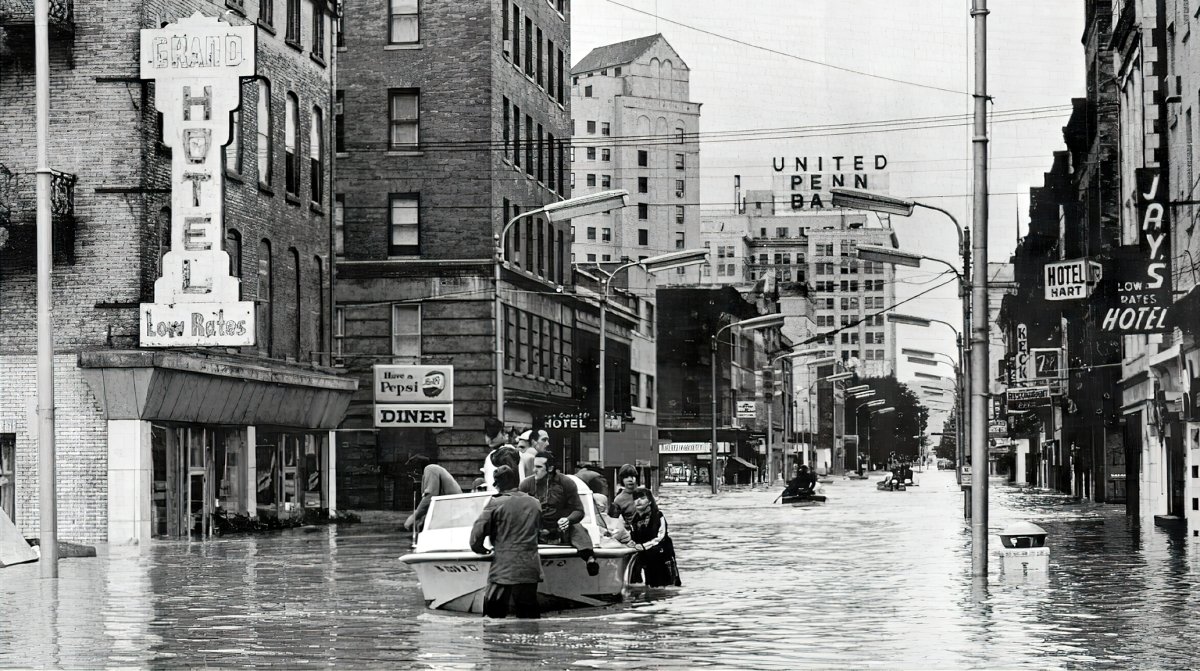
{"x":148,"y":438}
{"x":455,"y":119}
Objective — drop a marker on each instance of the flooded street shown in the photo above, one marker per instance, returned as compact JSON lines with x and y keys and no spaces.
{"x":871,"y":580}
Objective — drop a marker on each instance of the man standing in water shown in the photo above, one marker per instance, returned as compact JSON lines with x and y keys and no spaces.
{"x":562,"y":511}
{"x":511,"y":519}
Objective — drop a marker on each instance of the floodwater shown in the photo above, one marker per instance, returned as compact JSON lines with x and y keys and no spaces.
{"x":870,"y":580}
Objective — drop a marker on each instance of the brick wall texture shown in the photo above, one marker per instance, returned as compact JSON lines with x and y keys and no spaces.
{"x":103,"y":130}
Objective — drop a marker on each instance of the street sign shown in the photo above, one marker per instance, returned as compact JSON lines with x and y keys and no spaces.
{"x":746,"y":410}
{"x":1028,"y":398}
{"x":1071,"y":280}
{"x":998,"y":427}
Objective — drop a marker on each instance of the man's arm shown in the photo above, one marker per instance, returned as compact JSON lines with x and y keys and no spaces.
{"x":572,"y":507}
{"x":417,"y":519}
{"x":482,"y":528}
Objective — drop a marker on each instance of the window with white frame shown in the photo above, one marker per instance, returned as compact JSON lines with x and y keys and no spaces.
{"x":406,"y":332}
{"x":403,"y":118}
{"x":403,"y":21}
{"x":404,"y":231}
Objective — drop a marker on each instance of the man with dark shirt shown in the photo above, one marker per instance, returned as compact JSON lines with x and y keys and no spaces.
{"x":511,"y":520}
{"x":562,"y":512}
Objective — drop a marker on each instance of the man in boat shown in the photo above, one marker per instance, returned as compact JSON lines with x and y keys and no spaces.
{"x":511,"y":519}
{"x":435,"y":481}
{"x":562,"y":511}
{"x":501,"y":454}
{"x":803,"y":485}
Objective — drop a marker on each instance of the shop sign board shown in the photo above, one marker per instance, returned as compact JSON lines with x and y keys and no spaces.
{"x":563,"y":421}
{"x":1027,"y":398}
{"x":414,"y":384}
{"x":1142,"y":278}
{"x":998,"y":427}
{"x":1070,"y":280}
{"x":414,"y":415}
{"x":746,"y":410}
{"x":693,"y":448}
{"x":197,"y":65}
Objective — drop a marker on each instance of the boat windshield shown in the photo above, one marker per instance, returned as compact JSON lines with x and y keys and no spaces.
{"x":456,"y":511}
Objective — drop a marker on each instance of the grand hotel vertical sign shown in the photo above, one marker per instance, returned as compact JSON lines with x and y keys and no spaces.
{"x":197,"y":64}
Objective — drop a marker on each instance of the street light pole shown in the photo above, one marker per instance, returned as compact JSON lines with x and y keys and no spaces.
{"x":47,"y":485}
{"x":770,"y":394}
{"x":688,"y":257}
{"x":752,"y":324}
{"x":557,"y":211}
{"x":979,"y":286}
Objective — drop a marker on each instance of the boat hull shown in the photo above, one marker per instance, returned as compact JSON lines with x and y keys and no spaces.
{"x":456,"y":581}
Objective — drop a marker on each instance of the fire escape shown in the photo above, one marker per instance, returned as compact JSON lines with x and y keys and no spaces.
{"x":18,"y":183}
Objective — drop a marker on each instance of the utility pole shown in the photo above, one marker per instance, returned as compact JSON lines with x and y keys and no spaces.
{"x":979,"y":302}
{"x":47,"y":499}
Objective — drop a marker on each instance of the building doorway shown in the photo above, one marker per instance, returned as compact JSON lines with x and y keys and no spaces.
{"x":198,"y":472}
{"x":8,"y":475}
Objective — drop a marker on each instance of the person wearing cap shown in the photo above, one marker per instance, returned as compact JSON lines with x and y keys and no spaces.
{"x":511,"y":519}
{"x":530,"y":444}
{"x":562,"y":511}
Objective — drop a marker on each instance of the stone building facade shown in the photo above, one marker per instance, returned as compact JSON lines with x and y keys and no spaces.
{"x":635,"y":128}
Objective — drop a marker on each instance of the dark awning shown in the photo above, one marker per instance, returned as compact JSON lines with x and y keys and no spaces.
{"x":745,"y":463}
{"x":204,"y":388}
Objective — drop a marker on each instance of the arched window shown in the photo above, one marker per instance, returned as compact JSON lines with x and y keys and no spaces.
{"x":164,"y":236}
{"x":233,"y":247}
{"x":297,"y":315}
{"x":316,"y":149}
{"x":264,"y":132}
{"x":264,"y":296}
{"x":317,"y":322}
{"x":291,"y":144}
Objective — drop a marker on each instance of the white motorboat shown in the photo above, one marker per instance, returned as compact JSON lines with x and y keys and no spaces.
{"x":454,"y":578}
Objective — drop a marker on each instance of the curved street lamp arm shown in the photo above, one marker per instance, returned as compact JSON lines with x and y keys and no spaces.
{"x":501,"y":248}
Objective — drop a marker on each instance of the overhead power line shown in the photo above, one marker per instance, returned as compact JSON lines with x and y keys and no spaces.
{"x":785,"y":54}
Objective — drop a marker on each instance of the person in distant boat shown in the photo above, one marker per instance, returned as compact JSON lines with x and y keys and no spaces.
{"x":562,"y":511}
{"x":435,"y":481}
{"x":648,"y":535}
{"x":511,"y":519}
{"x":803,"y":485}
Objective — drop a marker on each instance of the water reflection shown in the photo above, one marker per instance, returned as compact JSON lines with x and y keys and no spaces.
{"x":873,"y":579}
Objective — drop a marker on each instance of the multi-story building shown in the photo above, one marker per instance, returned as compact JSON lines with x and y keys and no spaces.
{"x":635,"y":128}
{"x":685,"y":360}
{"x":191,"y":266}
{"x":453,"y":123}
{"x":829,"y":296}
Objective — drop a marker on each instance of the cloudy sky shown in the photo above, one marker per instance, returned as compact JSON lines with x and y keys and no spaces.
{"x":866,"y":77}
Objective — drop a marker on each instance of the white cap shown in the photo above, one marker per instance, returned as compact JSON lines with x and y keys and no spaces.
{"x":528,"y":435}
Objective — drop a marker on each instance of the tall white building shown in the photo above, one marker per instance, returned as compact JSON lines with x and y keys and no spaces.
{"x":634,"y":128}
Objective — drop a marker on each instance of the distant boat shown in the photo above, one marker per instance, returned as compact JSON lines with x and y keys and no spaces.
{"x":803,"y":501}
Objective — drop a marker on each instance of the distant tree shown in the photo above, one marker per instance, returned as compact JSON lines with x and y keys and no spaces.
{"x":896,"y":431}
